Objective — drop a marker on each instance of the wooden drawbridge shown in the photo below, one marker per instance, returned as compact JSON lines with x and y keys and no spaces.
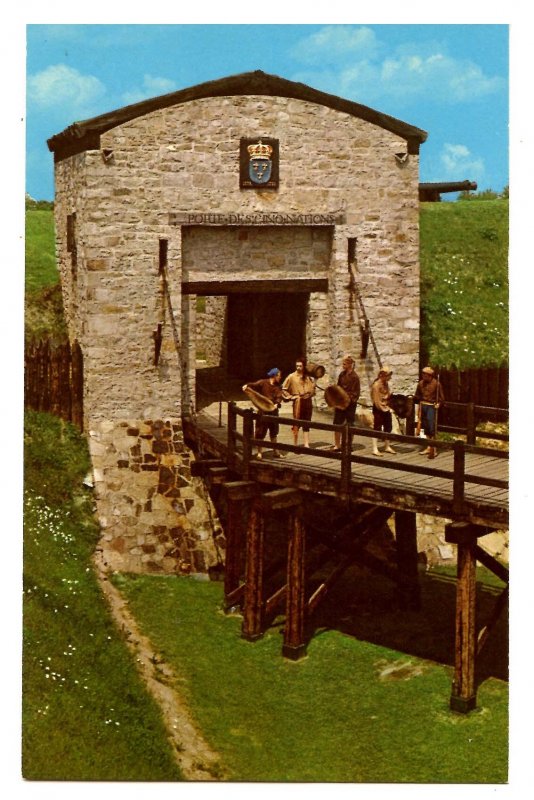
{"x":465,"y":484}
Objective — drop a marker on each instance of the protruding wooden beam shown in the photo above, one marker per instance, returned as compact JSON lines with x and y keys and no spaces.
{"x":218,"y":287}
{"x":200,"y":468}
{"x":240,"y":490}
{"x":464,"y":532}
{"x":217,"y":475}
{"x":280,"y":499}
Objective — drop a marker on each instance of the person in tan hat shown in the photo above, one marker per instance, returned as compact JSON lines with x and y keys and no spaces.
{"x":429,"y":394}
{"x":380,"y":395}
{"x":349,"y":381}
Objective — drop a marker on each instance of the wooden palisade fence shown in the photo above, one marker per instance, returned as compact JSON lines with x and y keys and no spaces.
{"x":482,"y":387}
{"x":53,"y":380}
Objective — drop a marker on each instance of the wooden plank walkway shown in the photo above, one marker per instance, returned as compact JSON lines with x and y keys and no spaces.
{"x":421,"y":485}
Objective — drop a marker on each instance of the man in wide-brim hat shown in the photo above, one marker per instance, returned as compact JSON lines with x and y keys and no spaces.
{"x":380,"y":395}
{"x":349,"y":381}
{"x":429,"y":394}
{"x":269,"y":388}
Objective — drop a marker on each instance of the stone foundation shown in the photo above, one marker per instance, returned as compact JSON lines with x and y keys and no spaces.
{"x":435,"y":551}
{"x":154,"y":516}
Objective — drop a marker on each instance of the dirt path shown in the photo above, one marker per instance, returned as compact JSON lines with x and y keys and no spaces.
{"x":196,"y":759}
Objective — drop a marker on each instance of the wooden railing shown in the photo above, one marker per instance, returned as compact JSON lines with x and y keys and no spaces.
{"x":469,"y":416}
{"x":458,"y":477}
{"x":485,"y":386}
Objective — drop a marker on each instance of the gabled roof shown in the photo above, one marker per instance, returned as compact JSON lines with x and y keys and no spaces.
{"x":85,"y":135}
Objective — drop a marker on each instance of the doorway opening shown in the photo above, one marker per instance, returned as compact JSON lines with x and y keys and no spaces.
{"x":253,"y":333}
{"x":264,"y":331}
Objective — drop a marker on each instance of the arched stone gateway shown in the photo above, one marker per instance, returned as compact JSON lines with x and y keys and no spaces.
{"x":201,"y":236}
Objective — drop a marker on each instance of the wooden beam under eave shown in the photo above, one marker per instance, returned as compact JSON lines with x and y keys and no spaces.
{"x":217,"y":288}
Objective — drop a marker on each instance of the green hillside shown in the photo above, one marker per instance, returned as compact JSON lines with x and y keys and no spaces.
{"x":464,"y":282}
{"x":43,"y":306}
{"x":41,"y":269}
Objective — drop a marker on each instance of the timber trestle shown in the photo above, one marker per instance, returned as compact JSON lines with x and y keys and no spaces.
{"x":265,"y":517}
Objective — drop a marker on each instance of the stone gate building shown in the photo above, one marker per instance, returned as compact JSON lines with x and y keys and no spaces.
{"x":293,"y":213}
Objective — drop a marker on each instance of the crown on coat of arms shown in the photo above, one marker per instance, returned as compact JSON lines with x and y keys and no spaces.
{"x":260,"y":150}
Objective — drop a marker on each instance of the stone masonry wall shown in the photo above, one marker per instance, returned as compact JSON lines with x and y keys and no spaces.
{"x":434,"y":550}
{"x":155,"y":517}
{"x":210,"y":332}
{"x":185,"y":159}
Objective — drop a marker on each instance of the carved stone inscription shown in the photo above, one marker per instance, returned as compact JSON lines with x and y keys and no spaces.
{"x":255,"y":218}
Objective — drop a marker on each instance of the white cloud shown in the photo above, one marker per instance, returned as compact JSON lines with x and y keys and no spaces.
{"x":152,"y":87}
{"x":59,"y":85}
{"x":336,"y":43}
{"x":358,"y":68}
{"x":459,"y":163}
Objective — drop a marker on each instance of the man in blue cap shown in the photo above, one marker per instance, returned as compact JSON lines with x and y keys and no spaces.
{"x":268,"y":387}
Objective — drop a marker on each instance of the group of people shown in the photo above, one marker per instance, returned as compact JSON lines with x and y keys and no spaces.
{"x":299,"y":387}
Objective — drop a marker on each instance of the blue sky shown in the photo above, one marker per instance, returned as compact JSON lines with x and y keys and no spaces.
{"x":449,"y":79}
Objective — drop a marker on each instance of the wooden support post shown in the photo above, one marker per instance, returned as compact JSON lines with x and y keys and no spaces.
{"x":252,"y":627}
{"x":238,"y":495}
{"x":410,"y":418}
{"x":463,"y":695}
{"x":346,"y":452}
{"x":254,"y":604}
{"x":471,"y":423}
{"x":248,"y":434}
{"x":458,"y":477}
{"x":294,"y":646}
{"x":232,"y":425}
{"x":408,"y":574}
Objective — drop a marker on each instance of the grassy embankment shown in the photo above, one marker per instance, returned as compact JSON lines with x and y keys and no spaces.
{"x":86,"y":714}
{"x":464,"y":283}
{"x":43,"y":303}
{"x":359,"y":709}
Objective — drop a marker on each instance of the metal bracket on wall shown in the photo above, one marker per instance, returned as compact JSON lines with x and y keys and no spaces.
{"x":157,"y":336}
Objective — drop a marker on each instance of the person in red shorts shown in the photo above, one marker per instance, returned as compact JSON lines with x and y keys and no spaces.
{"x":300,"y":388}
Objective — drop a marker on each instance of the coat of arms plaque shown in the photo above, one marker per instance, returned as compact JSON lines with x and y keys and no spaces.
{"x":258,"y":163}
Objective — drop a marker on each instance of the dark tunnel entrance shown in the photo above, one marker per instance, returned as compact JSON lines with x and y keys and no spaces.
{"x":264,"y":331}
{"x":254,"y":332}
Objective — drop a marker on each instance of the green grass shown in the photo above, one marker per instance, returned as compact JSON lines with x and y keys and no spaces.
{"x":85,"y":713}
{"x":464,"y":283}
{"x":43,"y":302}
{"x":353,"y":711}
{"x":41,"y":269}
